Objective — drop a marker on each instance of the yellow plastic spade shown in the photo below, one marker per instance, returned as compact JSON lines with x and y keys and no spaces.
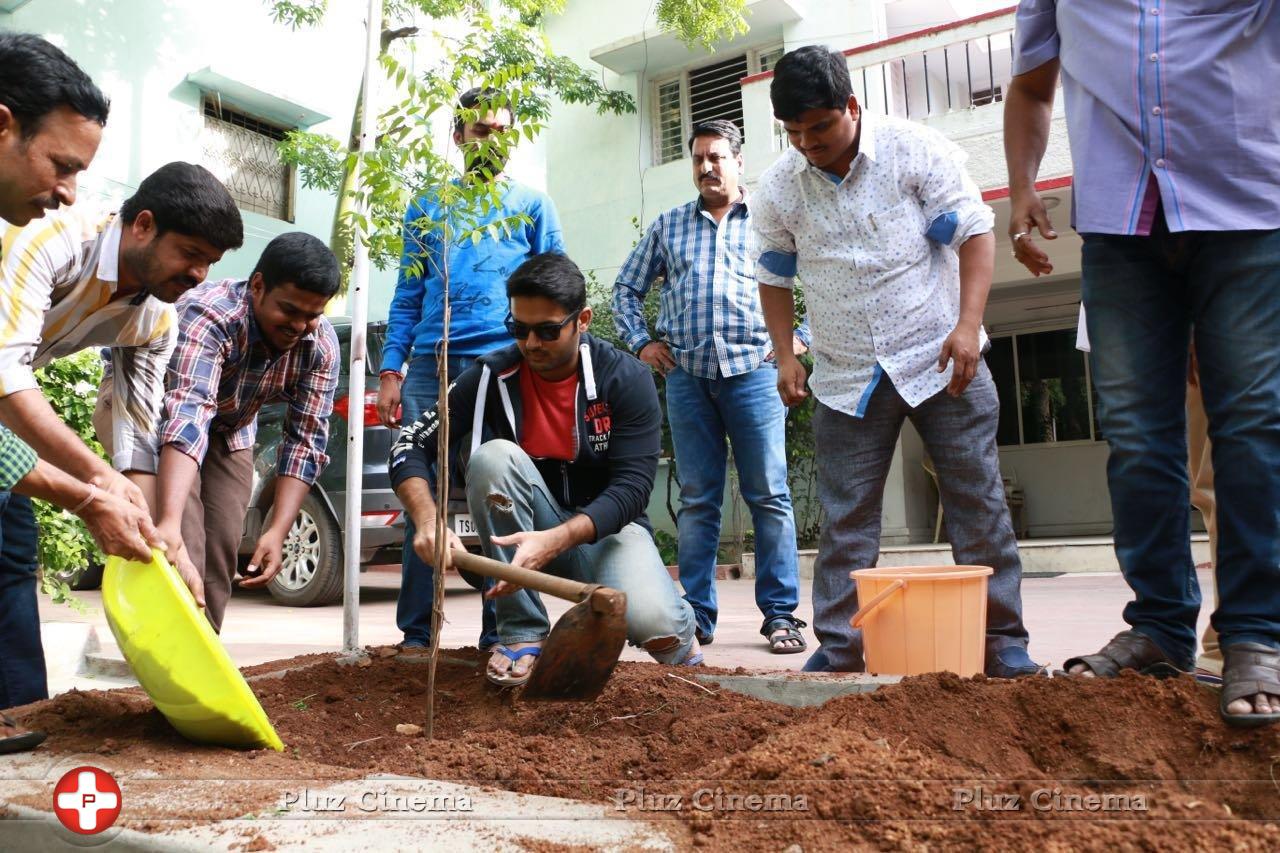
{"x":177,"y":657}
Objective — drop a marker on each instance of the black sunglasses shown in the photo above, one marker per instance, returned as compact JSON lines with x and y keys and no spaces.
{"x":548,"y":332}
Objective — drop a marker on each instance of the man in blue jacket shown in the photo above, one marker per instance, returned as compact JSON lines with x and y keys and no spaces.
{"x":477,"y":294}
{"x":557,"y":440}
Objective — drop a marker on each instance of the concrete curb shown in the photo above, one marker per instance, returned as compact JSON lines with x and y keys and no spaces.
{"x":800,"y":690}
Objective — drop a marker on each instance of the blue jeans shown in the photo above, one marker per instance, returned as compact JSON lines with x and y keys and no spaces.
{"x":1145,"y":296}
{"x":854,"y":455}
{"x":748,"y":411}
{"x":627,"y":560}
{"x":22,"y":674}
{"x":417,"y":579}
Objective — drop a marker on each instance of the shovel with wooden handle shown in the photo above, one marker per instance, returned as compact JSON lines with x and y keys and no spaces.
{"x":584,"y":645}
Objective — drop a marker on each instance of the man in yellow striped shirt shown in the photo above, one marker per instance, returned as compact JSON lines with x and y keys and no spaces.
{"x":51,"y":119}
{"x":73,"y":282}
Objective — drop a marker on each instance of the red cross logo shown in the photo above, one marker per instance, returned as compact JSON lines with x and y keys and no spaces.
{"x":87,"y":800}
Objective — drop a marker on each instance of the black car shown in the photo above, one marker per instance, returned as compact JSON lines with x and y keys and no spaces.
{"x":312,"y":572}
{"x":313,"y":550}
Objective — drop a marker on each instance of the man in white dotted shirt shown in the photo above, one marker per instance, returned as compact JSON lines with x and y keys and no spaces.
{"x":889,"y":234}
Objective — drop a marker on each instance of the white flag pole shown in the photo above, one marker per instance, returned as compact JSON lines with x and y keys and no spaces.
{"x":359,"y":300}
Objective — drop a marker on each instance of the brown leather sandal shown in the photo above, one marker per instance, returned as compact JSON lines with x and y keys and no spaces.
{"x":1126,"y":650}
{"x":1247,"y":670}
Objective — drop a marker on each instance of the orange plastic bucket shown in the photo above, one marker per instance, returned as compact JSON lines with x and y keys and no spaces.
{"x":918,"y":619}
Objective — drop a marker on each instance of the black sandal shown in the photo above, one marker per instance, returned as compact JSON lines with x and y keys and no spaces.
{"x":1126,"y":650}
{"x":22,"y":741}
{"x":1247,"y":670}
{"x":782,"y":644}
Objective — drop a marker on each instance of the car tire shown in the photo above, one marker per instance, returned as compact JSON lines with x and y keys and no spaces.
{"x":312,"y":557}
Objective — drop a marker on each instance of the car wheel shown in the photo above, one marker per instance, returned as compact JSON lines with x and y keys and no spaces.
{"x":311,"y":574}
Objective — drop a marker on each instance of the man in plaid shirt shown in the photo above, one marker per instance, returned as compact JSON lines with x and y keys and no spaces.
{"x":713,"y":349}
{"x":242,"y":345}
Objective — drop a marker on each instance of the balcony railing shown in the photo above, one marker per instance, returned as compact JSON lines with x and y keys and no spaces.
{"x":943,"y":71}
{"x":962,"y":75}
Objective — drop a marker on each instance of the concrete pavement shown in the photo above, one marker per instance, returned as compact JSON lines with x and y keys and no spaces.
{"x":1066,"y":615}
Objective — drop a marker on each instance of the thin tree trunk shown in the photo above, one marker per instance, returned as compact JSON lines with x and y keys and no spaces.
{"x":442,"y":488}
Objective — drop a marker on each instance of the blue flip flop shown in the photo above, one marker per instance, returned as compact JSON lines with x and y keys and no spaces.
{"x":513,"y":680}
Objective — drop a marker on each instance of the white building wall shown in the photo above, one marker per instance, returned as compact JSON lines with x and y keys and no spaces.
{"x":601,"y":175}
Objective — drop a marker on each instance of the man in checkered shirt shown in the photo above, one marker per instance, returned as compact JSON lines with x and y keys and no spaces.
{"x":712,"y":346}
{"x":241,"y":346}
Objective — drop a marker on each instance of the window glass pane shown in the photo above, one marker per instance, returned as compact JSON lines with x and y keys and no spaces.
{"x":1000,"y":361}
{"x":1055,"y":403}
{"x":670,"y":141}
{"x":769,"y":58}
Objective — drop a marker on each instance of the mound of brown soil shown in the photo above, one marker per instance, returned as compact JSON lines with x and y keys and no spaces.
{"x":1132,"y":763}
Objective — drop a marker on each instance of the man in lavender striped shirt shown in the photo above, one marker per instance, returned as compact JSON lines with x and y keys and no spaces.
{"x":713,"y":349}
{"x":1175,"y":141}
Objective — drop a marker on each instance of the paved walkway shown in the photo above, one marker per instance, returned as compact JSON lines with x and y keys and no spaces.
{"x":1066,"y":615}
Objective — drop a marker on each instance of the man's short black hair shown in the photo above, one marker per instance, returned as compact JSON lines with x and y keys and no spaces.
{"x":300,"y":259}
{"x":188,"y":199}
{"x":552,"y":276}
{"x":809,"y":78}
{"x":468,"y":101}
{"x":37,"y":78}
{"x":726,"y":130}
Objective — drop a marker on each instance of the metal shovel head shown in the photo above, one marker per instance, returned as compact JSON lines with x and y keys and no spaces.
{"x":582,"y":649}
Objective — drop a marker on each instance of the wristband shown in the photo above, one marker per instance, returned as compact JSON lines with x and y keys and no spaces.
{"x":397,"y":374}
{"x":93,"y":494}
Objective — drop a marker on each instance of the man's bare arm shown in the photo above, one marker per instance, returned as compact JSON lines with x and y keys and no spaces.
{"x":779,"y":307}
{"x":1028,"y":114}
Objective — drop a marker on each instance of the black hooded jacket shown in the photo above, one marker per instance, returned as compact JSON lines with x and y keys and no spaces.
{"x":618,"y":439}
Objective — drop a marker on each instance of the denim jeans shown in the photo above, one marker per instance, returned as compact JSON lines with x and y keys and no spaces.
{"x":417,"y":579}
{"x":854,"y":455}
{"x":627,"y":560}
{"x":22,"y":673}
{"x":748,"y":411}
{"x":1145,"y":295}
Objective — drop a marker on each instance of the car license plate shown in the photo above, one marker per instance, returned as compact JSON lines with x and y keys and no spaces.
{"x":463,"y":526}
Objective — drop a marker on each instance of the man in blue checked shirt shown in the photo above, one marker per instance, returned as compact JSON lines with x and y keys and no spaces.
{"x":714,"y":350}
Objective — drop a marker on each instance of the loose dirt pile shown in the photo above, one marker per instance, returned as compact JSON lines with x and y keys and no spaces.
{"x":936,"y":761}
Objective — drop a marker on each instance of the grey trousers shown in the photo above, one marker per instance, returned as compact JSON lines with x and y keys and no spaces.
{"x":853,"y":456}
{"x":213,"y":518}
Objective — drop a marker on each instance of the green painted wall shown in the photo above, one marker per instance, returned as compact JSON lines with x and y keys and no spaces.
{"x":140,"y":52}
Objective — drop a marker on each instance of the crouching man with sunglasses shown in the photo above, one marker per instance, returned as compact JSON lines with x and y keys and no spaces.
{"x":556,"y":440}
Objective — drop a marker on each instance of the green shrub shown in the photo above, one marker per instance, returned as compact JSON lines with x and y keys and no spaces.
{"x":65,"y":547}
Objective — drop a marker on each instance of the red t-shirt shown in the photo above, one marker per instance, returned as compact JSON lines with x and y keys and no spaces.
{"x":549,"y":424}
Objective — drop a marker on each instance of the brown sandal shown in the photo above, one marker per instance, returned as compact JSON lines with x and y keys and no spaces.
{"x":1247,"y":670}
{"x":1126,"y":650}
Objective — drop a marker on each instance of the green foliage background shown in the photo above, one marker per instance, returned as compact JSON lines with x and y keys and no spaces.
{"x":65,"y":546}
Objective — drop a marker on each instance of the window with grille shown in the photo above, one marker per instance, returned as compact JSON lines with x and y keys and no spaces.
{"x":715,"y":91}
{"x":241,"y":152}
{"x":702,"y":94}
{"x":669,"y":144}
{"x":766,"y":59}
